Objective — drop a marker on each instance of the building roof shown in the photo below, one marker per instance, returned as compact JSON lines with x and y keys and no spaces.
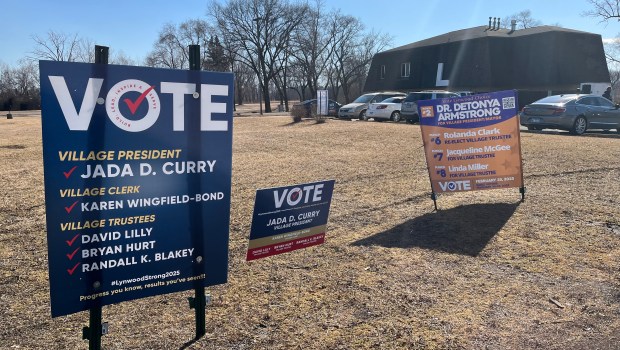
{"x":482,"y":32}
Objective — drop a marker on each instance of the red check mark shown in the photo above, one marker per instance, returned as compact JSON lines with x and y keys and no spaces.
{"x":70,"y":256}
{"x":295,"y":194}
{"x":133,"y":106}
{"x":70,"y":243}
{"x":68,"y":173}
{"x":68,"y":209}
{"x":72,"y":270}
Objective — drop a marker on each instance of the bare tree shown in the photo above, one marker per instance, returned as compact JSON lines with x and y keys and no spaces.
{"x":298,"y":81}
{"x":313,"y":43}
{"x":26,"y":78}
{"x":19,"y":87}
{"x":168,"y":51}
{"x":604,"y":9}
{"x":262,"y":28}
{"x":195,"y":32}
{"x":171,"y":48}
{"x":281,"y":79}
{"x":244,"y":76}
{"x":523,"y":19}
{"x":245,"y":84}
{"x":6,"y":81}
{"x":353,"y":53}
{"x":119,"y":57}
{"x":612,"y":52}
{"x":614,"y":74}
{"x":85,"y":51}
{"x":58,"y":46}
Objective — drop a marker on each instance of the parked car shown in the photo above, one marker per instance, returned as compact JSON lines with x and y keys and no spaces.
{"x":572,"y":112}
{"x":388,"y":109}
{"x":409,"y":109}
{"x":307,"y":108}
{"x":357,"y":109}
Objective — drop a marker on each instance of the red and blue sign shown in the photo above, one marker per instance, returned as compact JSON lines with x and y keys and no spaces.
{"x":137,"y":165}
{"x":289,"y":218}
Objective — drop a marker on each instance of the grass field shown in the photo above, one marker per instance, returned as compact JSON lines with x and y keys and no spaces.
{"x":484,"y":272}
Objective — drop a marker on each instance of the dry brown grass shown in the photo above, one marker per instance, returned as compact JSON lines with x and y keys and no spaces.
{"x":393,"y":274}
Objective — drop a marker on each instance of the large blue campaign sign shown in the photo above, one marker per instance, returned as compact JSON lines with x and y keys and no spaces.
{"x":137,"y":165}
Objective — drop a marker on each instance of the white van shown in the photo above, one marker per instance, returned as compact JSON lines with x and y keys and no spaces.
{"x":593,"y":88}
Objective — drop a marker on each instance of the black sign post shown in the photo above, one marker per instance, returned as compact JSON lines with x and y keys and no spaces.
{"x":94,"y":331}
{"x":199,"y":301}
{"x":101,"y":54}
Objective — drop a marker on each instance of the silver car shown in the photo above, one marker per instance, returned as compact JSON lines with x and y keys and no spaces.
{"x":357,"y":109}
{"x":572,"y":112}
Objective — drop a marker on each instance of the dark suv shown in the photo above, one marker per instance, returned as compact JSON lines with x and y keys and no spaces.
{"x":409,"y":109}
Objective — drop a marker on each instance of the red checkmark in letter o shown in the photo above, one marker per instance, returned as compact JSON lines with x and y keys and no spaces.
{"x":133,"y":105}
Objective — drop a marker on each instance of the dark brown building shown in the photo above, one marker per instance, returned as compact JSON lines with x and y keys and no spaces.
{"x":535,"y":61}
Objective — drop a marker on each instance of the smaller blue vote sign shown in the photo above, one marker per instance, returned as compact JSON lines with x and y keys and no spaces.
{"x":137,"y":172}
{"x":289,"y":218}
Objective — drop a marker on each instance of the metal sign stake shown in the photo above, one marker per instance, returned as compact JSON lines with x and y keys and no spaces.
{"x":96,"y":328}
{"x":434,"y":198}
{"x":522,"y":188}
{"x":199,"y":301}
{"x":94,"y":331}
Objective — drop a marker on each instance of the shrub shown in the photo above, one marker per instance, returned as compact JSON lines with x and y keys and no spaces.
{"x":297,"y":112}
